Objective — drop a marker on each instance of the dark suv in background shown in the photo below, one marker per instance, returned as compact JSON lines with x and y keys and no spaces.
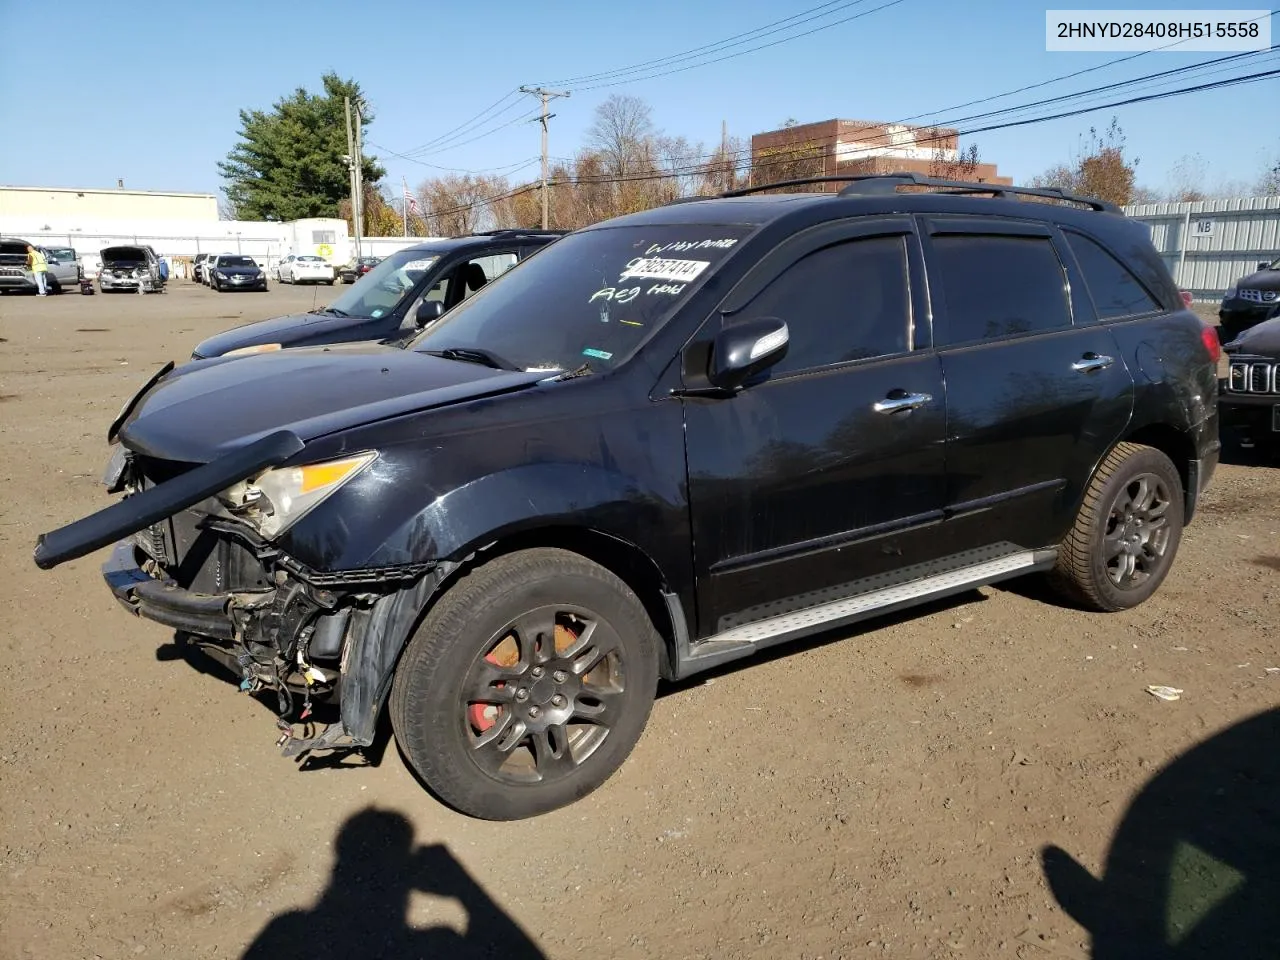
{"x":394,"y":300}
{"x":666,"y":442}
{"x":1250,"y":301}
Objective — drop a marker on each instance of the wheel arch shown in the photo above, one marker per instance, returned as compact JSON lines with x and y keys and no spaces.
{"x":365,"y":692}
{"x":624,"y":559}
{"x":1175,"y":444}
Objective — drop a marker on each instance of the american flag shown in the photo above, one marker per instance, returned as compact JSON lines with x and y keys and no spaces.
{"x":410,"y":200}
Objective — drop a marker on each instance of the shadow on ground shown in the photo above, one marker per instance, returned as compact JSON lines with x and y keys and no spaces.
{"x":1194,"y":868}
{"x":362,"y":912}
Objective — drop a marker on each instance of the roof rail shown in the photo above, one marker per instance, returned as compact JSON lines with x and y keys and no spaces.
{"x":883,"y":184}
{"x":518,"y":231}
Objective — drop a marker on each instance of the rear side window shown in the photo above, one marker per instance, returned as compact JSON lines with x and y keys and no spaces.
{"x":998,"y":286}
{"x":846,"y":302}
{"x":1116,"y":291}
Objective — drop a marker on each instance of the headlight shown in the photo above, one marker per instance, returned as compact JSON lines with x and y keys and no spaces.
{"x":256,"y":348}
{"x":276,"y":499}
{"x":1230,"y":294}
{"x":219,"y":274}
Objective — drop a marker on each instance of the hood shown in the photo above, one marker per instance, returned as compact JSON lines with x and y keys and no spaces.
{"x":1262,"y":340}
{"x":286,"y":330}
{"x":123,"y":255}
{"x":208,"y":408}
{"x":1260,"y":280}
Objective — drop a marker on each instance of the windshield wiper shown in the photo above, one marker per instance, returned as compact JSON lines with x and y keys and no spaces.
{"x":472,"y":355}
{"x":582,"y":371}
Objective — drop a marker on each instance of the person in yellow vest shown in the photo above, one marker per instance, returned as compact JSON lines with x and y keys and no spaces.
{"x":39,"y":267}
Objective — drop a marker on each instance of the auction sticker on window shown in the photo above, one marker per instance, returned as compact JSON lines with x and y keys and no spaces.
{"x":1172,"y":31}
{"x":660,"y":268}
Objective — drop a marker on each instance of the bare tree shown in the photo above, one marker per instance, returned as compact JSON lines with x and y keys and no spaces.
{"x":458,"y":204}
{"x":621,"y":133}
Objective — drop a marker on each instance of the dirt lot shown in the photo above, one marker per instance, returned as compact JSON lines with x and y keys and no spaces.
{"x":885,"y":793}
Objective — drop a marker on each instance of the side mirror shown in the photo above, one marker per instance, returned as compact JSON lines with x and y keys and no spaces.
{"x":1265,"y":264}
{"x":743,"y":350}
{"x":427,"y":311}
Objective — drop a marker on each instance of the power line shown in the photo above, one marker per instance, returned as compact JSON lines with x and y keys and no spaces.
{"x":434,"y":166}
{"x":458,"y":130}
{"x":743,"y":53}
{"x":718,"y":45}
{"x":1065,"y":76}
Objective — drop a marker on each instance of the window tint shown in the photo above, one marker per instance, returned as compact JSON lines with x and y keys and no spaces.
{"x":1116,"y":292}
{"x":994,"y":286}
{"x":845,"y":302}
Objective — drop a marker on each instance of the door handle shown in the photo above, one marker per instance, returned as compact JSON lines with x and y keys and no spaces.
{"x":1090,"y":362}
{"x":908,"y":401}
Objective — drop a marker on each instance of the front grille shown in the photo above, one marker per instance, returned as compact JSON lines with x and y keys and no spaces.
{"x":1260,"y":296}
{"x":10,"y":272}
{"x":1254,"y":377}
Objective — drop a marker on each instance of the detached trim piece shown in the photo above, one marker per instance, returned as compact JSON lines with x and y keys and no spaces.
{"x":164,"y":500}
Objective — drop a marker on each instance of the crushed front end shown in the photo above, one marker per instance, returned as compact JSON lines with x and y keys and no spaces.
{"x":211,"y":572}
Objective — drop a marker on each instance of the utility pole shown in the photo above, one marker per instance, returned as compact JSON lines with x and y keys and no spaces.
{"x":404,"y":204}
{"x":358,"y":129}
{"x":352,"y":166}
{"x":546,"y":96}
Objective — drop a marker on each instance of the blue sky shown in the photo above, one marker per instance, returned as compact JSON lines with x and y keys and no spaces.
{"x":428,"y":68}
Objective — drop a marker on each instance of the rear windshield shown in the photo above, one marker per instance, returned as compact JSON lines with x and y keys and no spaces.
{"x":591,"y":297}
{"x":312,"y":259}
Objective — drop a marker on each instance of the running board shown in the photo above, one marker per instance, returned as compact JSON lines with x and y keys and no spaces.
{"x":743,"y":641}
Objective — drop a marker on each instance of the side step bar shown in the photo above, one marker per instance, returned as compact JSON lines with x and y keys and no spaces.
{"x":743,"y":641}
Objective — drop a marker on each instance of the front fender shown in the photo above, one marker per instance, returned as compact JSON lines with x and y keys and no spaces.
{"x":535,"y":495}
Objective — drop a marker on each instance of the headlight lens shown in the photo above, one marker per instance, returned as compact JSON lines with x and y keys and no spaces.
{"x":276,"y":499}
{"x":256,"y":348}
{"x":219,"y":274}
{"x":1230,"y":294}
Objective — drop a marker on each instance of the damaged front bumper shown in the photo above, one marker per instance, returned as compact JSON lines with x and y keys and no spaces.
{"x":331,"y":635}
{"x":333,"y":641}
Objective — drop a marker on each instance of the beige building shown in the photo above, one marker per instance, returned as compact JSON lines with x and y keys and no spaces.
{"x":90,"y":204}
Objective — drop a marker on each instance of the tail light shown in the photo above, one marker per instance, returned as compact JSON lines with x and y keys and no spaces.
{"x":1186,"y":297}
{"x":1209,"y":336}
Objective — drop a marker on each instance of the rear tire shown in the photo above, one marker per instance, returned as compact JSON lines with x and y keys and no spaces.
{"x":498,"y":703}
{"x":1127,"y":531}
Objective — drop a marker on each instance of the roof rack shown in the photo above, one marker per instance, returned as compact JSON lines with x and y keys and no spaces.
{"x":883,"y":184}
{"x":518,"y":231}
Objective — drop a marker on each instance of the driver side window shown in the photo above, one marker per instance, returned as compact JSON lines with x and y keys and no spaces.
{"x":846,"y":302}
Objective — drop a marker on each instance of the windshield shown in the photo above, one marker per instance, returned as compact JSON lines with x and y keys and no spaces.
{"x":382,"y":289}
{"x":64,"y":254}
{"x":590,"y":297}
{"x":237,"y":262}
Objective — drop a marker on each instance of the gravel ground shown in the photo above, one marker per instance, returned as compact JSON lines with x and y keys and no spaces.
{"x":887,"y":792}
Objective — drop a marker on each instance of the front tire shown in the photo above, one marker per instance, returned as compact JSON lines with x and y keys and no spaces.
{"x":526,"y":686}
{"x":1127,"y":531}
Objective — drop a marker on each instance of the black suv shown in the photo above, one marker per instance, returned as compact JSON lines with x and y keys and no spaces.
{"x":1250,"y":301}
{"x":1249,"y":400}
{"x":394,"y":300}
{"x":666,"y":442}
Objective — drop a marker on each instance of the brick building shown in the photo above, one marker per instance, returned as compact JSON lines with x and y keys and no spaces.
{"x":832,"y":147}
